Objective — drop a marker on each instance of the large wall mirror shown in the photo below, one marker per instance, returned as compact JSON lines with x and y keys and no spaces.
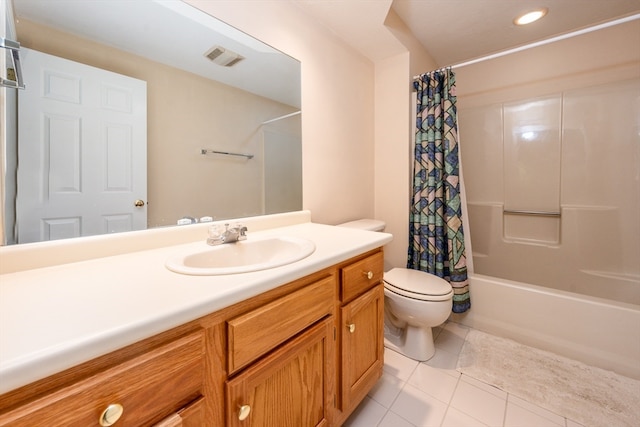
{"x":145,"y":113}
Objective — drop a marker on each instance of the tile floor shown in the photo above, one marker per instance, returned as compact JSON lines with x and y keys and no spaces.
{"x":433,"y":393}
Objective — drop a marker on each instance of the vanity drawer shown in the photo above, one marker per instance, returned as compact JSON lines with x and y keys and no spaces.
{"x":253,"y":334}
{"x":148,"y":388}
{"x":358,"y":277}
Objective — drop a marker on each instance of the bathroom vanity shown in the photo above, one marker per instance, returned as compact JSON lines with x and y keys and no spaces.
{"x":296,"y":345}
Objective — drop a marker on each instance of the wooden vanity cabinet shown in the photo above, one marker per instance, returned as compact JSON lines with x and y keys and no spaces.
{"x":301,"y":355}
{"x":361,"y":329}
{"x":319,"y":376}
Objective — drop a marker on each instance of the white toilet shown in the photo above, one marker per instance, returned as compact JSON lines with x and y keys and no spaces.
{"x":415,"y":302}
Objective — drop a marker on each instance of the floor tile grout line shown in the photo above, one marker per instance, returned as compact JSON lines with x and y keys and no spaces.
{"x":450,"y":400}
{"x":564,"y":419}
{"x":396,"y":398}
{"x":467,"y":414}
{"x":392,"y":402}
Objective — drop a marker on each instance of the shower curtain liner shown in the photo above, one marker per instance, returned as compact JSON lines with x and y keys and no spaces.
{"x":436,"y":238}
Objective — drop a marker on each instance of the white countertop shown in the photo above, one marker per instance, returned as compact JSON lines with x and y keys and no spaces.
{"x":56,"y":317}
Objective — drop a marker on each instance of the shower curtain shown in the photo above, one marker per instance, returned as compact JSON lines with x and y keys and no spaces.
{"x":436,"y":238}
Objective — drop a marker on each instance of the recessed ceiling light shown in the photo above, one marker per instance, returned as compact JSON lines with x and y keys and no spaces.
{"x":530,"y":17}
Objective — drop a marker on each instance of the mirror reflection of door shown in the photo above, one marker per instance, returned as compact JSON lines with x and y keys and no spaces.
{"x":82,"y":136}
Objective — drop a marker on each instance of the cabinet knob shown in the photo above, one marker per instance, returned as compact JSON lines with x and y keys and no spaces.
{"x":244,"y":411}
{"x":369,"y":274}
{"x":352,"y":327}
{"x":111,"y":415}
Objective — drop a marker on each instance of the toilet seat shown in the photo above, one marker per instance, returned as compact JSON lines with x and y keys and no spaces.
{"x":417,"y":285}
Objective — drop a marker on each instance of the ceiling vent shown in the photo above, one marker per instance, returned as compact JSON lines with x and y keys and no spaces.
{"x":224,"y":57}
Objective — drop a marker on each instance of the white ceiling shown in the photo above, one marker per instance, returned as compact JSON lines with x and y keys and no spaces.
{"x":455,"y":31}
{"x":176,"y":34}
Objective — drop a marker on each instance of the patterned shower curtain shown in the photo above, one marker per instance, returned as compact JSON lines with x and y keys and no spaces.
{"x":436,"y":238}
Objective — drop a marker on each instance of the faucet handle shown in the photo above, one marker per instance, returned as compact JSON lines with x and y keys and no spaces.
{"x":215,"y":231}
{"x":242,"y":231}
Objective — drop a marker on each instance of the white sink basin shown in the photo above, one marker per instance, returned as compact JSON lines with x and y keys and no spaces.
{"x":253,"y":254}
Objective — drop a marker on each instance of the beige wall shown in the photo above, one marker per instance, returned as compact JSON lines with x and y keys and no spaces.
{"x":584,"y":91}
{"x":183,"y":119}
{"x":337,"y":105}
{"x":393,"y":135}
{"x":393,"y":153}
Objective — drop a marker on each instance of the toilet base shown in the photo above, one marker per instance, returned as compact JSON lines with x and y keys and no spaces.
{"x":413,"y":342}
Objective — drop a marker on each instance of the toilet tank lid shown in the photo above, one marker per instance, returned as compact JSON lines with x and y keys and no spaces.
{"x":365,"y":224}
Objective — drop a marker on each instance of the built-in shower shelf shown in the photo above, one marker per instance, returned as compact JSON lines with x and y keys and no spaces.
{"x":533,"y":213}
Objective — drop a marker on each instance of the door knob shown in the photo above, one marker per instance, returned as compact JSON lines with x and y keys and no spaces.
{"x":139,"y":203}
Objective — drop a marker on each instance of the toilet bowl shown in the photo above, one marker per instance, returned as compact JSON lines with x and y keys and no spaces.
{"x":414,"y":302}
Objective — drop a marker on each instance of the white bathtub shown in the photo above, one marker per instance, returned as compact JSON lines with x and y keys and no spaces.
{"x":594,"y":331}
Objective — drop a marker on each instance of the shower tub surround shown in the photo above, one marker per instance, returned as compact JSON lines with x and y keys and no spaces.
{"x":551,"y":130}
{"x":552,"y":189}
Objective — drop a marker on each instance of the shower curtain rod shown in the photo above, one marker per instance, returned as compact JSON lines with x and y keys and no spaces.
{"x":295,"y":113}
{"x":542,"y":42}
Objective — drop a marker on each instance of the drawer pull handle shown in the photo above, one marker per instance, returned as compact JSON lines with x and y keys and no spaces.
{"x":369,"y":274}
{"x":111,"y":415}
{"x":352,"y":327}
{"x":244,"y":412}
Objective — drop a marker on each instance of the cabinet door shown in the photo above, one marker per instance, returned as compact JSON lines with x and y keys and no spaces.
{"x":362,"y":345}
{"x":289,"y":387}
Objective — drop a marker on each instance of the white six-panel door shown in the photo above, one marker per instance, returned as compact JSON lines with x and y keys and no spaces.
{"x":82,"y":135}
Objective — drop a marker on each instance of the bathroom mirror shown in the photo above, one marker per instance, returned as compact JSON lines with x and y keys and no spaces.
{"x":221,"y":125}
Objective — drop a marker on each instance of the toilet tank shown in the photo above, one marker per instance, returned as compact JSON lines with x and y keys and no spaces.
{"x":365,"y":224}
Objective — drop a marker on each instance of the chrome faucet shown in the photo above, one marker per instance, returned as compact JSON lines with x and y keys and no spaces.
{"x":232,"y":234}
